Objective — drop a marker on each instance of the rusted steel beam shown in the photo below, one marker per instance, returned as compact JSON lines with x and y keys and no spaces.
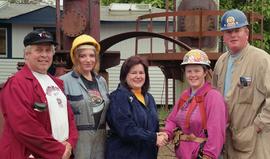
{"x":109,"y":59}
{"x":58,"y":25}
{"x":174,"y":56}
{"x":181,"y":13}
{"x":107,"y":43}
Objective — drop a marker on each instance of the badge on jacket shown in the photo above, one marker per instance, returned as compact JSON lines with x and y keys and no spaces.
{"x":39,"y":106}
{"x":245,"y":81}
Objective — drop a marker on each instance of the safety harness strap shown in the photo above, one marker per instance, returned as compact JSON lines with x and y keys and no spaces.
{"x":195,"y":101}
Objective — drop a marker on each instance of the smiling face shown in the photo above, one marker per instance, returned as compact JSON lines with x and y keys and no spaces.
{"x":136,"y":77}
{"x":39,"y":57}
{"x":195,"y":75}
{"x":236,"y":39}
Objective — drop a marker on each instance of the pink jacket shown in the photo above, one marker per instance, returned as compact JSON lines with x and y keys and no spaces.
{"x":216,"y":118}
{"x":27,"y":131}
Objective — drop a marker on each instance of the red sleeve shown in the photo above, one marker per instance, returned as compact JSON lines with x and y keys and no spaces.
{"x":1,"y":121}
{"x":24,"y":122}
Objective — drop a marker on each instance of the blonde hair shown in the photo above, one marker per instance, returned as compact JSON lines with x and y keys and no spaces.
{"x":77,"y":52}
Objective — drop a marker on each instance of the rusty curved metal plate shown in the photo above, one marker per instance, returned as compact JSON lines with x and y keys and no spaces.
{"x":73,"y":23}
{"x":108,"y":42}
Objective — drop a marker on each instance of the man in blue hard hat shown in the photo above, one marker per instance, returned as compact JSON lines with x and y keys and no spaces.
{"x":242,"y":75}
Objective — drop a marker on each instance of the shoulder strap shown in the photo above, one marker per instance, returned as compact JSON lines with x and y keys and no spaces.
{"x":183,"y":98}
{"x":200,"y":101}
{"x":196,"y":100}
{"x":191,"y":108}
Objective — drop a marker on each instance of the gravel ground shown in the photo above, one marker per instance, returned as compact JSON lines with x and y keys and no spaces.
{"x":166,"y":152}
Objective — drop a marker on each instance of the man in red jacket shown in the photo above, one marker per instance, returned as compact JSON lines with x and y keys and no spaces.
{"x":38,"y":120}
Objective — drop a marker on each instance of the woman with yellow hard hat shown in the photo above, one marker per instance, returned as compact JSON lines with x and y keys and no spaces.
{"x":88,"y":94}
{"x":197,"y":122}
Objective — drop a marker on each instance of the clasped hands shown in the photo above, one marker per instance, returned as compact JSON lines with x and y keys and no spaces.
{"x":162,"y":139}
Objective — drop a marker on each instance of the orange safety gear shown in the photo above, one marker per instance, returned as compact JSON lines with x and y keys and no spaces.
{"x":196,"y":100}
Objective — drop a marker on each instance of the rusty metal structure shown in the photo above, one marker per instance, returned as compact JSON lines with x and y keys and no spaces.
{"x":79,"y":17}
{"x":194,"y":22}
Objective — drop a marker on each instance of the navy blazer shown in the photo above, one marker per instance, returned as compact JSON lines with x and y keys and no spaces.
{"x":133,"y":126}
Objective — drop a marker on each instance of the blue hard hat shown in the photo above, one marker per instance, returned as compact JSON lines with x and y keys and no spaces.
{"x":233,"y":19}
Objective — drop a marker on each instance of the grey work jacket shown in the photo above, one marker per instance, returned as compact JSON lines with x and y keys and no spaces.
{"x":91,"y":141}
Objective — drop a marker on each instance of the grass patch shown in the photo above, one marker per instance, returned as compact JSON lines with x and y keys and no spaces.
{"x":163,"y":113}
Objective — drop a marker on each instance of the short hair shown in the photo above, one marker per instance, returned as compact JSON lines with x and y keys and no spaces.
{"x":28,"y":48}
{"x":127,"y":65}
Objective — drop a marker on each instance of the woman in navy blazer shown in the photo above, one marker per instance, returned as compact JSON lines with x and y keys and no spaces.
{"x":132,"y":115}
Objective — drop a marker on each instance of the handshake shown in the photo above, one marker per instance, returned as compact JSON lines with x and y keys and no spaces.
{"x":162,"y":139}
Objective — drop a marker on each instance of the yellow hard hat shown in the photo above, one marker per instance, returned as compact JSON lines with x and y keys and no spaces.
{"x":196,"y":56}
{"x":83,"y":39}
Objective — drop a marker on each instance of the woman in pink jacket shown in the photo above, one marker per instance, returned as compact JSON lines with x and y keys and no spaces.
{"x":197,"y":122}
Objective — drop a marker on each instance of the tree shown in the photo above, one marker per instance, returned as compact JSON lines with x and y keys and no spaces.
{"x":24,"y":1}
{"x":154,"y":3}
{"x":259,"y":6}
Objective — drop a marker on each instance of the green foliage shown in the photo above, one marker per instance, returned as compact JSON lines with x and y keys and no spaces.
{"x":162,"y":114}
{"x":154,"y":3}
{"x":259,"y":6}
{"x":21,"y":1}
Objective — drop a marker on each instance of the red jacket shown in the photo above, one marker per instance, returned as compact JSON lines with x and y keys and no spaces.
{"x":27,"y":131}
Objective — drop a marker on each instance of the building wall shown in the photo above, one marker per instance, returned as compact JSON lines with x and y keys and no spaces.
{"x":9,"y":66}
{"x":18,"y":33}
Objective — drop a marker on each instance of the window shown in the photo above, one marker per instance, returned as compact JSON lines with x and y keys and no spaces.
{"x":3,"y":42}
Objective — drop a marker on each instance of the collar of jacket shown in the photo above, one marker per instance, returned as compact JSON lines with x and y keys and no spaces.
{"x":77,"y":75}
{"x":124,"y":89}
{"x":242,"y":54}
{"x":200,"y":91}
{"x":131,"y":95}
{"x":27,"y":74}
